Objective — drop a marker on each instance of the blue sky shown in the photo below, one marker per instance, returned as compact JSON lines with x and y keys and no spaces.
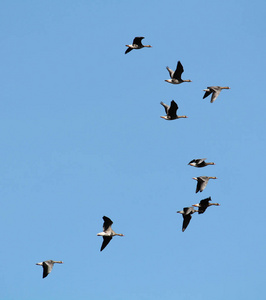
{"x":81,"y":137}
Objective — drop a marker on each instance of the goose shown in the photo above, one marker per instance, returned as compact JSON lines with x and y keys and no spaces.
{"x":215,"y":91}
{"x":176,"y":75}
{"x":186,"y":212}
{"x":48,"y":266}
{"x":200,"y":162}
{"x":108,"y":232}
{"x":202,"y":182}
{"x":171,"y":111}
{"x":204,"y":204}
{"x":136,"y":44}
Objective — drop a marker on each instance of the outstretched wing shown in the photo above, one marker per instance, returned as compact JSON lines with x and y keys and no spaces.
{"x":171,"y":72}
{"x":215,"y":94}
{"x":166,"y":107}
{"x":202,"y":183}
{"x":179,"y":70}
{"x":47,"y":268}
{"x":107,"y":223}
{"x":208,"y":91}
{"x":137,"y":40}
{"x":186,"y":221}
{"x":128,"y":50}
{"x":204,"y":203}
{"x":200,"y":160}
{"x":106,"y":240}
{"x":172,"y":110}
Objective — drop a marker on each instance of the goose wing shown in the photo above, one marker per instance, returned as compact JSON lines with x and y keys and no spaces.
{"x":195,"y":161}
{"x":215,"y":94}
{"x":47,"y":268}
{"x":179,"y":70}
{"x":106,"y":240}
{"x":172,"y":110}
{"x":203,"y":205}
{"x":208,"y":91}
{"x":186,"y":221}
{"x":192,"y":161}
{"x":200,"y":160}
{"x":171,"y":72}
{"x":202,"y":183}
{"x":166,"y":107}
{"x":107,"y":223}
{"x":128,"y":50}
{"x":137,"y":40}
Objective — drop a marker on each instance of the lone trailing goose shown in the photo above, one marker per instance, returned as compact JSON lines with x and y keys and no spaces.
{"x":202,"y":182}
{"x":136,"y":44}
{"x":204,"y":204}
{"x":171,"y":111}
{"x":200,"y":162}
{"x":48,"y":266}
{"x":215,"y":91}
{"x":108,"y":232}
{"x":176,"y":76}
{"x":186,"y":212}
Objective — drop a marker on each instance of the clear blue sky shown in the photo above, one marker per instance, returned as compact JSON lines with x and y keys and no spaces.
{"x":81,"y":137}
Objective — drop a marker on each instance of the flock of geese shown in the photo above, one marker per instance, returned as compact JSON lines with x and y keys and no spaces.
{"x":171,"y":114}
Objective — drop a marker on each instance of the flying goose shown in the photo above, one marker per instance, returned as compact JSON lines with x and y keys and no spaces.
{"x":204,"y":204}
{"x":186,"y":212}
{"x":171,"y":111}
{"x":202,"y":182}
{"x":176,"y":75}
{"x":136,"y":44}
{"x":48,"y":266}
{"x":215,"y":91}
{"x":200,"y":162}
{"x":108,"y":232}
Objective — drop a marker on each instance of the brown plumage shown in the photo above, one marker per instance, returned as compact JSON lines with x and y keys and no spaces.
{"x":48,"y":266}
{"x":108,"y":232}
{"x":137,"y":44}
{"x":176,"y":75}
{"x":186,"y":213}
{"x":215,"y":91}
{"x":202,"y":182}
{"x":171,"y":111}
{"x":204,"y":204}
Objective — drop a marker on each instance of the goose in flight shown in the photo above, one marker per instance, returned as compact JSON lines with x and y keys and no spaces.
{"x":215,"y":91}
{"x":171,"y":111}
{"x":200,"y":162}
{"x":136,"y":44}
{"x":204,"y":204}
{"x":202,"y":182}
{"x":176,"y":75}
{"x":108,"y":232}
{"x":186,"y":212}
{"x":48,"y":266}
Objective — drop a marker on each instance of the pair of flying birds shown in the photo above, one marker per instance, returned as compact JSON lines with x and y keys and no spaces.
{"x":202,"y":181}
{"x":107,"y":235}
{"x":188,"y":211}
